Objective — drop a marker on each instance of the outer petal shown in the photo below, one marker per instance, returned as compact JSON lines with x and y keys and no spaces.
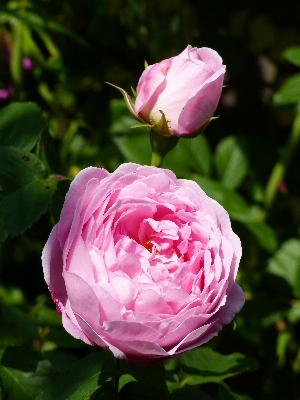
{"x":151,"y":83}
{"x":234,"y":302}
{"x":83,"y":300}
{"x":207,"y":55}
{"x":53,"y":268}
{"x":201,"y":107}
{"x":76,"y":191}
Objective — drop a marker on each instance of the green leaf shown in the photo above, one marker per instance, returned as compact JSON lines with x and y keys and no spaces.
{"x":121,"y":120}
{"x":225,"y":393}
{"x":135,"y":147}
{"x":231,"y":161}
{"x":292,"y":54}
{"x":289,"y":92}
{"x":264,"y":235}
{"x":59,"y":336}
{"x":151,"y":374}
{"x":24,"y":373}
{"x":141,"y":391}
{"x":106,"y":392}
{"x":189,"y":393}
{"x":81,"y":379}
{"x":37,"y":21}
{"x":60,"y":360}
{"x":283,"y":342}
{"x":47,"y":152}
{"x":21,"y":125}
{"x":190,"y":155}
{"x":233,"y":203}
{"x":15,"y":384}
{"x":16,"y":326}
{"x":203,"y":365}
{"x":25,"y":191}
{"x":286,"y":264}
{"x":124,"y":379}
{"x":239,"y":210}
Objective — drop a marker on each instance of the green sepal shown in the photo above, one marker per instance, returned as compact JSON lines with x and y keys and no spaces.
{"x":161,"y":126}
{"x":128,"y":102}
{"x":141,"y":126}
{"x":133,"y":91}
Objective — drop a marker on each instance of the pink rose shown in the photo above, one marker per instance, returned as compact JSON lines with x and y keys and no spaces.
{"x":186,"y":88}
{"x":141,"y":263}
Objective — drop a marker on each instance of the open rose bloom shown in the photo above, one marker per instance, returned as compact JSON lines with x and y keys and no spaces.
{"x":186,"y":88}
{"x":142,"y":264}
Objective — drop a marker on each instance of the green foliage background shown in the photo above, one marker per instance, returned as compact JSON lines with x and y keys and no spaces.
{"x":59,"y":116}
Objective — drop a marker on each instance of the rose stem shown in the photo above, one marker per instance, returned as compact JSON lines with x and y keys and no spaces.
{"x":282,"y":165}
{"x":161,"y":145}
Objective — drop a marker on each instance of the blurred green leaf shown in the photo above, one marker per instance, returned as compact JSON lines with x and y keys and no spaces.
{"x":233,"y":203}
{"x":141,"y":391}
{"x":224,"y":393}
{"x":292,"y":54}
{"x":59,"y":336}
{"x":81,"y":379}
{"x":189,"y":155}
{"x":60,"y":360}
{"x":135,"y":147}
{"x":231,"y":161}
{"x":283,"y":341}
{"x":29,"y":46}
{"x":285,"y":264}
{"x":36,"y":21}
{"x":21,"y":358}
{"x":47,"y":152}
{"x":264,"y":235}
{"x":289,"y":92}
{"x":203,"y":365}
{"x":239,"y":210}
{"x":16,"y":326}
{"x":121,"y":119}
{"x":21,"y":125}
{"x":11,"y":295}
{"x":25,"y":191}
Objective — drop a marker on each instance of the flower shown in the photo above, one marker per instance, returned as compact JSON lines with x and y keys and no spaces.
{"x":6,"y":93}
{"x":26,"y":63}
{"x":184,"y":89}
{"x":141,"y":263}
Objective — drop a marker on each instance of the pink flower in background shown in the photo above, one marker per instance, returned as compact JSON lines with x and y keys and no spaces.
{"x":26,"y":63}
{"x":6,"y":93}
{"x":142,"y":264}
{"x":186,"y":88}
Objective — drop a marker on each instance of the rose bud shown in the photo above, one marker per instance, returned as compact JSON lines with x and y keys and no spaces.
{"x":184,"y":91}
{"x":142,"y":264}
{"x":178,"y":96}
